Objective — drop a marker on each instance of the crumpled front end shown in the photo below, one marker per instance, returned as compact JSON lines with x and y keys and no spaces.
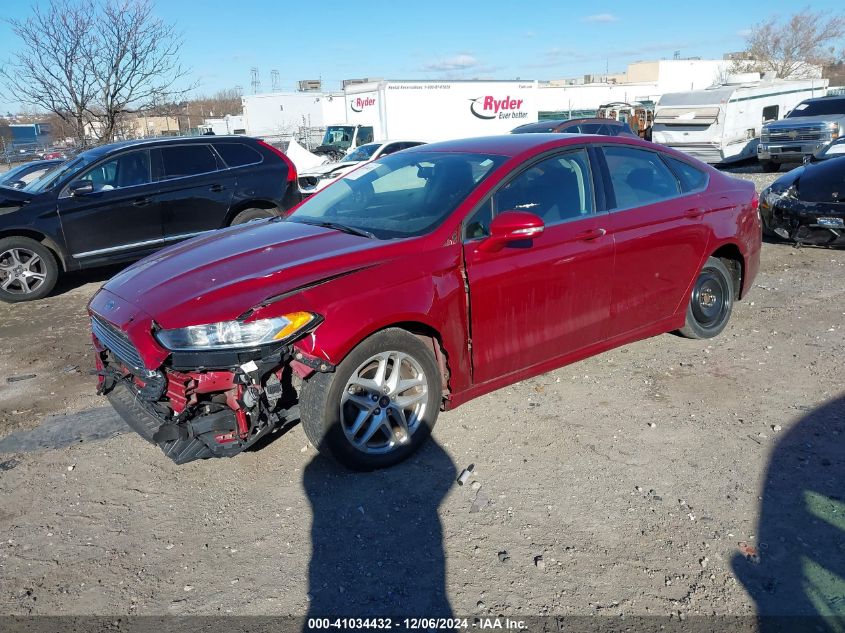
{"x":816,"y":223}
{"x":193,"y":404}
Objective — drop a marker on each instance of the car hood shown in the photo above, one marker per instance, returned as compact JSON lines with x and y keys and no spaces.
{"x":327,"y":168}
{"x":11,"y":199}
{"x":803,"y":120}
{"x":823,"y":181}
{"x":222,"y":275}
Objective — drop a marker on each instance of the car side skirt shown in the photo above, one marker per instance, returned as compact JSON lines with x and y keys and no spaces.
{"x":675,"y":322}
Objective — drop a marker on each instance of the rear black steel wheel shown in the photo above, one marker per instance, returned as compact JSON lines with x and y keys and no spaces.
{"x":711,"y":301}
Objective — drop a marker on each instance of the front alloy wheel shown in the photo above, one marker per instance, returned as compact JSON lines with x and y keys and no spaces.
{"x":28,"y":270}
{"x":378,"y":406}
{"x":383,"y":402}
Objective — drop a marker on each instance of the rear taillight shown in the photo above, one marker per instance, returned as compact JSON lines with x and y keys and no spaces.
{"x":283,"y":156}
{"x":755,"y":201}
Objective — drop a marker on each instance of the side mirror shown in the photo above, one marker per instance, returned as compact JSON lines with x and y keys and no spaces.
{"x":808,"y":158}
{"x":17,"y":184}
{"x":81,"y":187}
{"x":511,"y":226}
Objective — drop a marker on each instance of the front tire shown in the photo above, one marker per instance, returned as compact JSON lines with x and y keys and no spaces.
{"x":28,"y":270}
{"x":251,"y":215}
{"x":379,"y":405}
{"x":711,"y":301}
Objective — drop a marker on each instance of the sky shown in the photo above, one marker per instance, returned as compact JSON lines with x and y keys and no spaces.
{"x":436,"y":39}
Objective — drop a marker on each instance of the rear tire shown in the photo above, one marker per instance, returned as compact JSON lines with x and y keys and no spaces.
{"x":251,"y":215}
{"x":711,"y":301}
{"x":770,"y":166}
{"x":397,"y":405}
{"x":28,"y":270}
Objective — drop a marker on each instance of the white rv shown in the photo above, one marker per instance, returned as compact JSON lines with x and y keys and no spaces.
{"x":722,"y":124}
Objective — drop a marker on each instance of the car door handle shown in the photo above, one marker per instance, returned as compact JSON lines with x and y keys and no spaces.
{"x":694,"y":213}
{"x":592,"y":234}
{"x":216,"y":188}
{"x":141,"y":202}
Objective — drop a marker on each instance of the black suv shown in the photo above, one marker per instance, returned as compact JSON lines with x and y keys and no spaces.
{"x":120,"y":202}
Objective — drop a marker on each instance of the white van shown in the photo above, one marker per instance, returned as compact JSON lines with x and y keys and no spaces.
{"x":722,"y":124}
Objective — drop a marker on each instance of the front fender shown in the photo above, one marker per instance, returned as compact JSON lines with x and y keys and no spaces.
{"x":422,"y":292}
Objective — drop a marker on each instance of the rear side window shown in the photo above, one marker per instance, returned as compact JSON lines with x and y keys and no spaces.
{"x":692,"y":178}
{"x":237,"y":154}
{"x":593,"y":128}
{"x":638,"y":177}
{"x":187,"y":160}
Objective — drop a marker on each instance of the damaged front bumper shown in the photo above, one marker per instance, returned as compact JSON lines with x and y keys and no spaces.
{"x":195,"y":405}
{"x":816,"y":223}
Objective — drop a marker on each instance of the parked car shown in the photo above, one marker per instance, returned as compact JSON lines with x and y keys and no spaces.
{"x":20,"y":176}
{"x":605,"y":127}
{"x":317,"y":178}
{"x":119,"y":202}
{"x":416,"y":283}
{"x":811,"y":125}
{"x":53,"y":154}
{"x":807,"y":204}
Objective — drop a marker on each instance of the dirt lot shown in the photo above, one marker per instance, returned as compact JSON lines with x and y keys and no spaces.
{"x":667,"y":477}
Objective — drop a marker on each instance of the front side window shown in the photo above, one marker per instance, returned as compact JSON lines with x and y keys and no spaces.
{"x":365,"y":135}
{"x":402,"y":195}
{"x":638,"y":177}
{"x":126,"y":170}
{"x":179,"y":161}
{"x":557,"y":189}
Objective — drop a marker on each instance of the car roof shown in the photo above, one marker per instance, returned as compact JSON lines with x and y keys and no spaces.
{"x":160,"y":141}
{"x":515,"y":144}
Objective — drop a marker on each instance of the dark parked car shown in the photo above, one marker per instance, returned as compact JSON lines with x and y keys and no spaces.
{"x":604,"y":127}
{"x":416,"y":283}
{"x":807,"y":204}
{"x":119,"y":202}
{"x":20,"y":176}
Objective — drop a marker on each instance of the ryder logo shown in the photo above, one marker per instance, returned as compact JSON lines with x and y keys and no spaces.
{"x":489,"y":107}
{"x":358,"y":104}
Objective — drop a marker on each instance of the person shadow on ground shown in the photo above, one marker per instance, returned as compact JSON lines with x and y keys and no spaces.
{"x":376,"y":538}
{"x":796,"y":575}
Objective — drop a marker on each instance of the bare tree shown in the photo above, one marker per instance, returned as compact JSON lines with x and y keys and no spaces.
{"x":90,"y":62}
{"x":792,"y":48}
{"x":139,"y":57}
{"x":54,"y":68}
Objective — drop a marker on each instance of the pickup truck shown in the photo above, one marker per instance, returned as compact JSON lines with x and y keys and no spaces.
{"x":812,"y":124}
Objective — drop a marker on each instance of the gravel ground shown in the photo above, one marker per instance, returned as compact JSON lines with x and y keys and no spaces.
{"x":666,"y":477}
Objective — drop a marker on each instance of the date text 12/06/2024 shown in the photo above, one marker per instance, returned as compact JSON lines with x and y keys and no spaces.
{"x":317,"y":624}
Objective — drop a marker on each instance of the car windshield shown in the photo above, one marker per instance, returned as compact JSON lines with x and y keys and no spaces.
{"x":49,"y":180}
{"x":365,"y":152}
{"x":818,"y":107}
{"x":402,"y":195}
{"x":339,"y":136}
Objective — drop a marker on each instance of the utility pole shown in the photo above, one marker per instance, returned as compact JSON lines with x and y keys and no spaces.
{"x":274,"y":80}
{"x":256,"y":81}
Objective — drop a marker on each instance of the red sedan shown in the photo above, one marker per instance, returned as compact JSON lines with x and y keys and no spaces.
{"x":416,"y":283}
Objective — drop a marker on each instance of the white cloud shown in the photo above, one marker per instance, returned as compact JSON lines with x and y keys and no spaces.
{"x":600,"y":17}
{"x":744,"y":32}
{"x":453,"y":63}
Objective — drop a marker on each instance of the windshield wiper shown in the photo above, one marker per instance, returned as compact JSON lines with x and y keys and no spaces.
{"x":337,"y":226}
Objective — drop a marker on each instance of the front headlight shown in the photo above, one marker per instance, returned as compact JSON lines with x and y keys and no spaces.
{"x":234,"y":334}
{"x":768,"y":198}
